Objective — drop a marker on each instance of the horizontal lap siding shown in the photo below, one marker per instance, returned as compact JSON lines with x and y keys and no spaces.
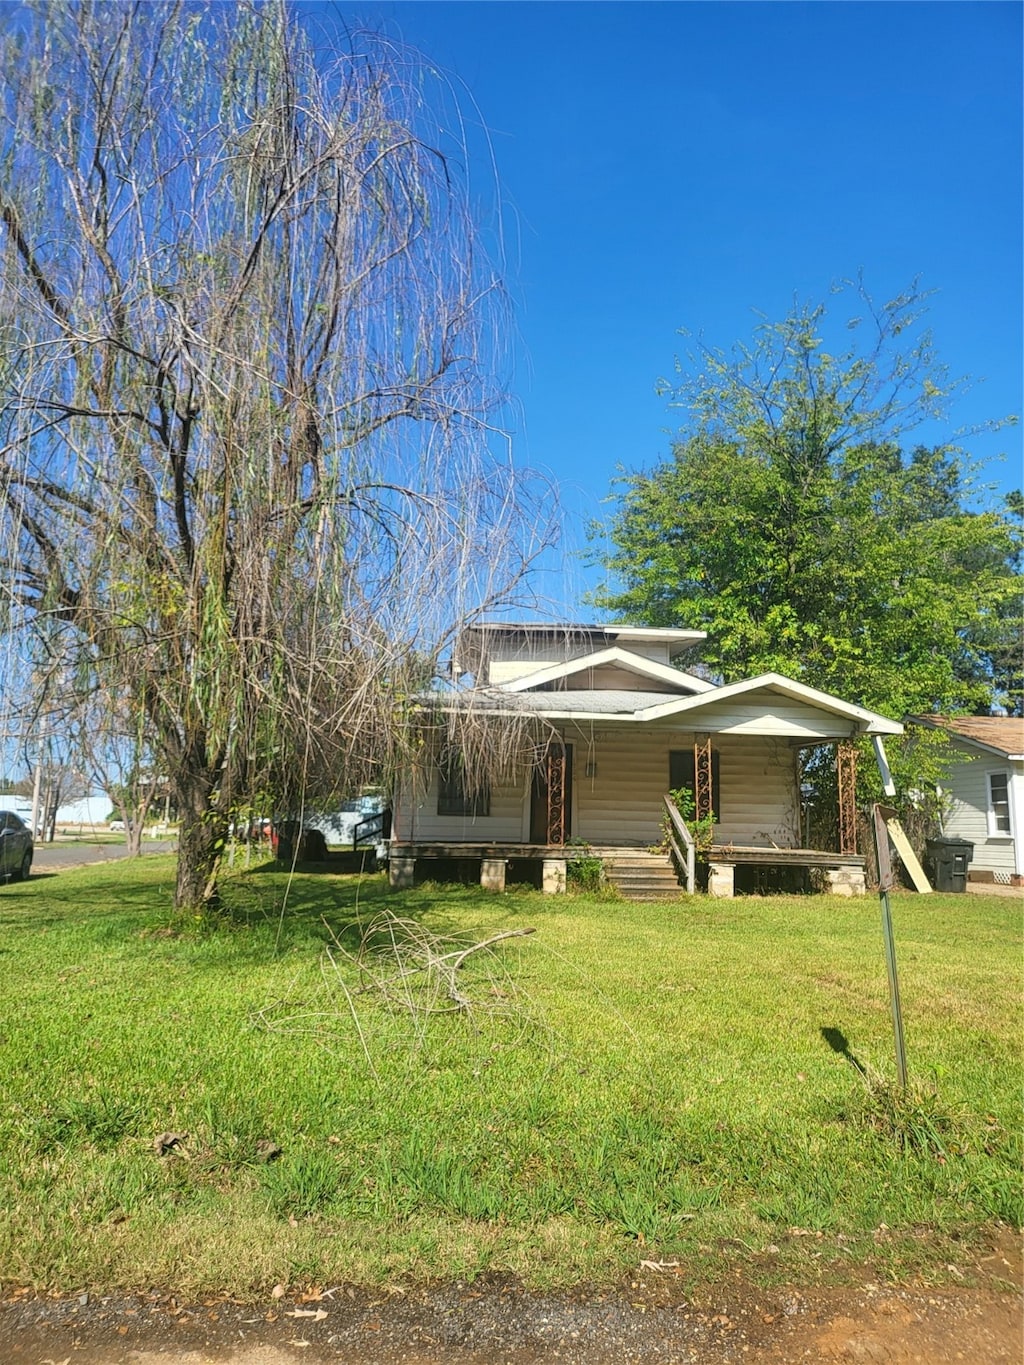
{"x":418,"y":819}
{"x":622,"y":803}
{"x":968,"y":818}
{"x":610,"y":677}
{"x":760,"y":800}
{"x":769,"y":714}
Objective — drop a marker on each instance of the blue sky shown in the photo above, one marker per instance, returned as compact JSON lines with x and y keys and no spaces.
{"x":683,"y":165}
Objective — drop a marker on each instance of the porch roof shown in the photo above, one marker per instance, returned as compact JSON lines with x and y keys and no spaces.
{"x":842,"y":718}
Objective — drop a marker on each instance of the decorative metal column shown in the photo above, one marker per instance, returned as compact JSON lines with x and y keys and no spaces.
{"x":556,"y":796}
{"x":702,"y":780}
{"x":846,"y":774}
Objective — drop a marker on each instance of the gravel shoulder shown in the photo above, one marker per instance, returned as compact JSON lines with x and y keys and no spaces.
{"x":653,"y":1319}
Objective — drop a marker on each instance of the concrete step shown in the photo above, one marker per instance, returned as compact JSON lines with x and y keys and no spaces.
{"x":648,"y":893}
{"x":642,"y":876}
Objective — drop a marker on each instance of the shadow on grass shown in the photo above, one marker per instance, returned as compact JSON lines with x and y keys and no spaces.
{"x":339,"y":908}
{"x":839,"y":1043}
{"x":265,"y":910}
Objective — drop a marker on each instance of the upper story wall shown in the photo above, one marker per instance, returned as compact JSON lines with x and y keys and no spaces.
{"x":499,"y":655}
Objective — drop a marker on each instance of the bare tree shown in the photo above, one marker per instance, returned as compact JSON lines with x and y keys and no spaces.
{"x":247,"y":483}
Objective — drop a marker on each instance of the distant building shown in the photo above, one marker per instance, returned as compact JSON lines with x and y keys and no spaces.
{"x":21,"y":805}
{"x":985,"y":791}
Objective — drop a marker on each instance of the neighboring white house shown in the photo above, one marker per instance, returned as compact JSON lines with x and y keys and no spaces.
{"x":607,"y":726}
{"x":87,"y":810}
{"x":985,"y":792}
{"x":21,"y":805}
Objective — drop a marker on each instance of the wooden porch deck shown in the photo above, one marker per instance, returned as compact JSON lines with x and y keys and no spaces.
{"x":844,"y":873}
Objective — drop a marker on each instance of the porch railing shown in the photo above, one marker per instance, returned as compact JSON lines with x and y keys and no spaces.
{"x":373,"y":829}
{"x":681,"y":844}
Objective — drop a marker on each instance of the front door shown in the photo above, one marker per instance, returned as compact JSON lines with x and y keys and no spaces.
{"x":551,"y":797}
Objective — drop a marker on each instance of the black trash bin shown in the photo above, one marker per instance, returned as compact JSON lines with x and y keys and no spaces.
{"x":947,"y":862}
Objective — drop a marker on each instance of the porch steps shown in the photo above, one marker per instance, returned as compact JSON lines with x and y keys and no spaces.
{"x":639,"y":875}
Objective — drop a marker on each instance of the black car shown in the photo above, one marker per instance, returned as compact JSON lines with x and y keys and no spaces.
{"x":15,"y":847}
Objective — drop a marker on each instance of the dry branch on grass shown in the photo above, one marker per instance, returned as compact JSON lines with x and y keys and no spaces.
{"x":411,"y":962}
{"x":413,"y":973}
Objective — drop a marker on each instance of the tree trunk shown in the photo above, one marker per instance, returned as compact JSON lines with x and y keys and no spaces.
{"x":201,"y":840}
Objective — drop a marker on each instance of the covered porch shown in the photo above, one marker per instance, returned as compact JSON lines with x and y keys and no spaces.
{"x":595,"y":776}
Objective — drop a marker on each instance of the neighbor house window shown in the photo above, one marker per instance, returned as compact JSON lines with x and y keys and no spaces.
{"x":999,"y":803}
{"x":453,"y":796}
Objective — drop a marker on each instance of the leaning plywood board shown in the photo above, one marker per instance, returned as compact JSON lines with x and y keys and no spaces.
{"x":901,"y":844}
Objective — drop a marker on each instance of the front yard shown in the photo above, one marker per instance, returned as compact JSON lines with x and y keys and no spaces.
{"x":704,"y":1081}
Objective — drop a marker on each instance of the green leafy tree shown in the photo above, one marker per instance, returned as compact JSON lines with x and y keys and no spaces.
{"x":797,"y":524}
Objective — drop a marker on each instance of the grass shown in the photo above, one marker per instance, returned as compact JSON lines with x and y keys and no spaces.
{"x":703,"y":1081}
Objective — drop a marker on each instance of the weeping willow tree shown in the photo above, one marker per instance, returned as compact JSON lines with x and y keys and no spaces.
{"x":247,"y":488}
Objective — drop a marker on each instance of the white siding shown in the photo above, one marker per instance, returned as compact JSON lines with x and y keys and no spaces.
{"x":967,"y":786}
{"x":505,"y":670}
{"x":613,"y":677}
{"x":622,"y":801}
{"x":416,"y":817}
{"x":767,"y":713}
{"x":515,"y":658}
{"x":620,"y":777}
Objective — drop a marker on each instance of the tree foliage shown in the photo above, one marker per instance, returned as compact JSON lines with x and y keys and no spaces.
{"x":800,"y":526}
{"x":246,"y":493}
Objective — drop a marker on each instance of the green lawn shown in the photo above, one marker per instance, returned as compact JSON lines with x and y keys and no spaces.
{"x":632,"y":1082}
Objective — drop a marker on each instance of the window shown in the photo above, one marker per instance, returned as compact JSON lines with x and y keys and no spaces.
{"x":998,"y":803}
{"x":681,"y":776}
{"x":453,"y":798}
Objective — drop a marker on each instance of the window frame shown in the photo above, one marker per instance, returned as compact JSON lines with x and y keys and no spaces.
{"x":994,"y":807}
{"x":453,"y":800}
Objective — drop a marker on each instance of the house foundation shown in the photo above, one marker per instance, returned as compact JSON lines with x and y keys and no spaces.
{"x":401,"y":872}
{"x":845,"y":881}
{"x":721,"y":879}
{"x":492,"y":874}
{"x":553,"y":876}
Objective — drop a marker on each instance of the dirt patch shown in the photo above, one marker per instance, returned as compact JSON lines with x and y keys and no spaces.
{"x":651,"y":1319}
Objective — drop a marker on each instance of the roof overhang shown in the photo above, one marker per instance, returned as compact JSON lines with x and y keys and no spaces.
{"x":501,"y":702}
{"x":865,"y":722}
{"x":624,"y":658}
{"x":968,"y":741}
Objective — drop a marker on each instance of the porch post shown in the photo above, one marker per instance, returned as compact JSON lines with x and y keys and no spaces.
{"x":846,"y":776}
{"x":703,"y":779}
{"x":556,"y":796}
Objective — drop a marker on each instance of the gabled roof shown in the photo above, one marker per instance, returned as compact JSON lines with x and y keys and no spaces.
{"x":644,"y":707}
{"x":599,"y":704}
{"x":624,"y":658}
{"x":1002,"y":735}
{"x":869,"y":722}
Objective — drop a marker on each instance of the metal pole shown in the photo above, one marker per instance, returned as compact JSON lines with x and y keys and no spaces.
{"x":881,"y":814}
{"x":37,"y":779}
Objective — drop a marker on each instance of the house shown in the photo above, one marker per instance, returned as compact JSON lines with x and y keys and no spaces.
{"x":984,"y":791}
{"x":604,"y":726}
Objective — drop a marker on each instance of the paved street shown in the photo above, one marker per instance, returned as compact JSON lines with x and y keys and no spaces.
{"x":64,"y":853}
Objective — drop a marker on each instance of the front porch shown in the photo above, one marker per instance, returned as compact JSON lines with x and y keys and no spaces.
{"x":843,"y":874}
{"x":407,"y":859}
